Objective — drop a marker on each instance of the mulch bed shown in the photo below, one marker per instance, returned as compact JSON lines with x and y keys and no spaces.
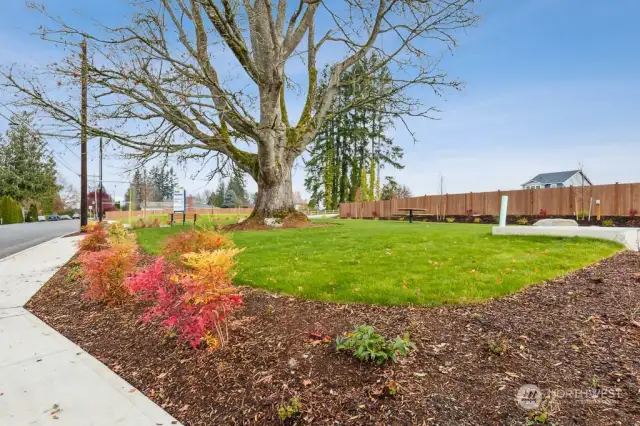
{"x":574,"y":337}
{"x":293,"y":221}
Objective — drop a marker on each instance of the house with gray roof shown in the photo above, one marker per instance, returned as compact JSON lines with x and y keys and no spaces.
{"x":558,"y":180}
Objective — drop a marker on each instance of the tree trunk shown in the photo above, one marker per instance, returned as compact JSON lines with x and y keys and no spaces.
{"x":275,"y":197}
{"x":275,"y":190}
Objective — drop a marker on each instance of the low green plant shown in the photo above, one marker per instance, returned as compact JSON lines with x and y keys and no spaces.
{"x":477,"y":220}
{"x":290,"y":410}
{"x":74,"y":273}
{"x":450,"y":219}
{"x":539,"y":418}
{"x":522,"y":221}
{"x":401,"y":219}
{"x":497,"y":347}
{"x":367,"y":345}
{"x":608,"y":223}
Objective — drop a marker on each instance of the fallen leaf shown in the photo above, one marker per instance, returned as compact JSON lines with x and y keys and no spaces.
{"x":306,"y":382}
{"x":162,"y":375}
{"x":132,"y":390}
{"x":185,"y":407}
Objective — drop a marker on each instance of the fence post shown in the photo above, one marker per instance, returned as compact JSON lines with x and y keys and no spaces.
{"x":616,"y":201}
{"x":531,"y":201}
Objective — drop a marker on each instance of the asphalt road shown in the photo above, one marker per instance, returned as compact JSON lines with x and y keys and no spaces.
{"x":20,"y":236}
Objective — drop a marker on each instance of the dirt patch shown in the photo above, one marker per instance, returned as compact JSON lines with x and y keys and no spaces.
{"x":577,"y":338}
{"x":293,"y":221}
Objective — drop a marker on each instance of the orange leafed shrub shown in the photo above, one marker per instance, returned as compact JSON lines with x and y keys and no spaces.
{"x":194,"y":302}
{"x":194,"y":241}
{"x":211,"y":274}
{"x":104,"y":272}
{"x":95,"y":240}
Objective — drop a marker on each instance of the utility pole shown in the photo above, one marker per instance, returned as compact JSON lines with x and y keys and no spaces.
{"x":83,"y":137}
{"x":100,"y":207}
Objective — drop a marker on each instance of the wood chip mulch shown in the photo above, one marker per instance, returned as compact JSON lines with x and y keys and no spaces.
{"x":577,"y":338}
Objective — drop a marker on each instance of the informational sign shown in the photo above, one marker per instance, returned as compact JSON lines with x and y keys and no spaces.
{"x":179,"y":200}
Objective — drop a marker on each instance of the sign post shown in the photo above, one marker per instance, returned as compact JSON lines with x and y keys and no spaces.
{"x":503,"y":210}
{"x":180,"y":203}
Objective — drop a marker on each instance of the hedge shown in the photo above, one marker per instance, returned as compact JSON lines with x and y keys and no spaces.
{"x":10,"y":210}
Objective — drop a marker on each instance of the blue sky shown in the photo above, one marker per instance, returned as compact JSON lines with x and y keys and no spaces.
{"x":548,"y":84}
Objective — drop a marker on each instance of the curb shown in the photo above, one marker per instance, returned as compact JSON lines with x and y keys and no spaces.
{"x":37,"y":245}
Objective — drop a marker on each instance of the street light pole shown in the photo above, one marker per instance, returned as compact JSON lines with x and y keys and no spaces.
{"x":83,"y":137}
{"x":100,"y":206}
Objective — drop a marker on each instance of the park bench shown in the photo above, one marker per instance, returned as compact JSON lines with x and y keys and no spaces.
{"x":409,"y":212}
{"x":184,"y":217}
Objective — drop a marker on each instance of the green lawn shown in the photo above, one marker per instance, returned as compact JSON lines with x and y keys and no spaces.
{"x":203,"y":219}
{"x":391,"y":263}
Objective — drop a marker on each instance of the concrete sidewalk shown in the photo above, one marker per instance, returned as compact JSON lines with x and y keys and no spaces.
{"x":45,"y":379}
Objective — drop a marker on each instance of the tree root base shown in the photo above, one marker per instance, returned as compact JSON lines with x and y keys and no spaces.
{"x":255,"y":222}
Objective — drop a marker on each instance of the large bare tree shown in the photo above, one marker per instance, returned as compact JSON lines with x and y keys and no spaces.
{"x":159,"y":85}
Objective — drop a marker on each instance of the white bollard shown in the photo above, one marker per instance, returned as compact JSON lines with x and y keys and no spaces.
{"x":503,"y":210}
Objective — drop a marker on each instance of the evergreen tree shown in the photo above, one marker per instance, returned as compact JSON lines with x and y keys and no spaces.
{"x":238,"y":185}
{"x":230,"y":199}
{"x":10,"y":210}
{"x":364,"y":190}
{"x":27,"y":171}
{"x":135,"y":193}
{"x":217,"y":199}
{"x":348,"y":143}
{"x":372,"y":181}
{"x":170,"y":183}
{"x":32,"y":214}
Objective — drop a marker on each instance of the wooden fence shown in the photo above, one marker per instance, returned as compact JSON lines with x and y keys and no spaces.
{"x":615,"y":200}
{"x":119,"y":215}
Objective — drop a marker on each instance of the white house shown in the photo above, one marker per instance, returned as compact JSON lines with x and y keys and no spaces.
{"x":557,"y":180}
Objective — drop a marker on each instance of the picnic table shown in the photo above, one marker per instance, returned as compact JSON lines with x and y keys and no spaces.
{"x":411,"y":210}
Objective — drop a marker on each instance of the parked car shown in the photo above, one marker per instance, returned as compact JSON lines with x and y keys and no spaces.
{"x":42,"y":218}
{"x":65,"y":217}
{"x":76,"y":216}
{"x":53,"y":217}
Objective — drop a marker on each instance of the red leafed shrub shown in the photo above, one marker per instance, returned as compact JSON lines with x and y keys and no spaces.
{"x":193,"y":241}
{"x":104,"y":273}
{"x":195,"y":302}
{"x":348,"y":214}
{"x":374,"y":213}
{"x":633,"y":213}
{"x":95,"y":240}
{"x":543,"y":213}
{"x":469,"y":212}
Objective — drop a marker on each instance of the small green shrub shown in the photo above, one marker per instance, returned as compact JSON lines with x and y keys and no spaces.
{"x":290,"y":410}
{"x":522,"y":221}
{"x":367,"y":345}
{"x":477,"y":220}
{"x":497,"y":347}
{"x":450,"y":219}
{"x":401,"y":219}
{"x":74,"y":273}
{"x":608,"y":223}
